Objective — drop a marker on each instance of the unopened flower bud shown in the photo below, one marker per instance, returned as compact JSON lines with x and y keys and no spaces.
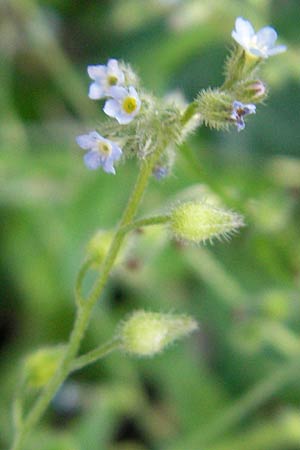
{"x":41,"y":365}
{"x":215,"y":108}
{"x":252,"y":91}
{"x":147,"y":333}
{"x":201,"y":221}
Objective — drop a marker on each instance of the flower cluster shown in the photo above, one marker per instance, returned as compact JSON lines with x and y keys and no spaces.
{"x":161,"y":124}
{"x":241,"y":90}
{"x":122,"y":103}
{"x":109,"y":82}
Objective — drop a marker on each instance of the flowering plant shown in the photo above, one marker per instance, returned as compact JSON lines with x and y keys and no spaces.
{"x":140,"y":125}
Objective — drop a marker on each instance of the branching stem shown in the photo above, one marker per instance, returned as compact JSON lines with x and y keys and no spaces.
{"x":85,"y":308}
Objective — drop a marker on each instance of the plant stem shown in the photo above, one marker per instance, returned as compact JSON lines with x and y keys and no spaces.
{"x":156,"y":220}
{"x":190,"y":111}
{"x":79,"y":280}
{"x":84,"y":311}
{"x":95,"y":355}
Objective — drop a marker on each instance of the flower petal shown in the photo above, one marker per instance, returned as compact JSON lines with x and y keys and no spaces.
{"x":124,"y":118}
{"x":96,"y":91}
{"x":113,"y":69}
{"x":97,"y":72}
{"x":132,"y":92}
{"x":239,"y":39}
{"x":116,"y":152}
{"x":277,"y":49}
{"x":111,"y":107}
{"x":112,"y":64}
{"x":257,"y":52}
{"x":87,"y":141}
{"x":244,"y":28}
{"x":108,"y":166}
{"x":118,"y":92}
{"x":266,"y":37}
{"x":92,"y":160}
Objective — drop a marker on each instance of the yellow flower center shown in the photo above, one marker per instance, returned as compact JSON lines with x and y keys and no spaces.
{"x":112,"y":80}
{"x":104,"y":148}
{"x":129,"y":105}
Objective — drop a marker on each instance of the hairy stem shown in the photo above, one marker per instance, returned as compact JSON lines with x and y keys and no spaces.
{"x":84,"y":310}
{"x":79,"y":280}
{"x":95,"y":355}
{"x":189,"y":113}
{"x":156,"y":220}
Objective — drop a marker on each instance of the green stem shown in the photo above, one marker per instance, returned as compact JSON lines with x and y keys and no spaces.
{"x":95,"y":355}
{"x":156,"y":220}
{"x":79,"y":280}
{"x":85,"y":310}
{"x":190,"y":111}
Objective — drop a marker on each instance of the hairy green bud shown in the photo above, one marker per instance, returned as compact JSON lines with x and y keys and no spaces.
{"x":201,"y":221}
{"x":41,"y":365}
{"x":147,"y":333}
{"x":215,"y":108}
{"x":251,"y":91}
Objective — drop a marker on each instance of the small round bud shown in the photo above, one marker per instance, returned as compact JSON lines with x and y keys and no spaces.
{"x":147,"y":333}
{"x":252,"y":91}
{"x":41,"y":365}
{"x":199,"y":221}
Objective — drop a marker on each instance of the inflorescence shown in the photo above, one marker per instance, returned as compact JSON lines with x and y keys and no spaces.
{"x":138,"y":122}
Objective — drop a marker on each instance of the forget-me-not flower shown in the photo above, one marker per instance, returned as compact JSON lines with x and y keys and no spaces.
{"x":160,"y":172}
{"x":102,"y":152}
{"x":239,"y":110}
{"x":124,"y":104}
{"x":260,"y":44}
{"x":104,"y":78}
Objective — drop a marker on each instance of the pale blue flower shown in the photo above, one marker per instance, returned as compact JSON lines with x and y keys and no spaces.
{"x":102,"y":152}
{"x":124,"y":104}
{"x":239,"y":110}
{"x":160,"y":172}
{"x":104,"y":78}
{"x":260,"y":44}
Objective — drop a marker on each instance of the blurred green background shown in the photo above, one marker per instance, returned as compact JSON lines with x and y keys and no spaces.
{"x":235,"y":385}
